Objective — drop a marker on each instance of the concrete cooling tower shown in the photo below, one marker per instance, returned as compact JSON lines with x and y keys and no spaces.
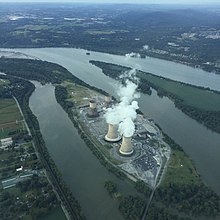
{"x":92,"y":111}
{"x":112,"y":135}
{"x":126,"y":146}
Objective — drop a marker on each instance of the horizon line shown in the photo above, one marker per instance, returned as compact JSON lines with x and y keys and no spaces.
{"x":114,"y":3}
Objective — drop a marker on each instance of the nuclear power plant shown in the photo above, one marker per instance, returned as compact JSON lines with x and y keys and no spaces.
{"x":127,"y":138}
{"x":126,"y":148}
{"x":130,"y":141}
{"x":92,"y":111}
{"x":112,"y":135}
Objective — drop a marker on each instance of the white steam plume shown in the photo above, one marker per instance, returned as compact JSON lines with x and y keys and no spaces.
{"x":124,"y":113}
{"x":126,"y":127}
{"x":146,"y":47}
{"x":132,"y":54}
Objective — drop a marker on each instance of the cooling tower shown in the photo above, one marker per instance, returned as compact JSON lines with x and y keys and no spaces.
{"x":126,"y":146}
{"x":92,"y":104}
{"x":92,"y":111}
{"x":112,"y":135}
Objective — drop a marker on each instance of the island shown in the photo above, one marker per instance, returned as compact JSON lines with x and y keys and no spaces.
{"x":164,"y":178}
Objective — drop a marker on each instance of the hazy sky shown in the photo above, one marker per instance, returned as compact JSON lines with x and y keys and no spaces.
{"x":123,"y":1}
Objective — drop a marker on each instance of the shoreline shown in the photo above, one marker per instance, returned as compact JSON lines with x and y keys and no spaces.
{"x":155,"y":56}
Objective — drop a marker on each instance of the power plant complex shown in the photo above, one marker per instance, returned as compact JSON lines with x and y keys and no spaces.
{"x":137,"y":151}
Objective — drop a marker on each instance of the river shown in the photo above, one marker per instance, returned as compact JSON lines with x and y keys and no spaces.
{"x":80,"y":169}
{"x":201,"y":144}
{"x":76,"y":61}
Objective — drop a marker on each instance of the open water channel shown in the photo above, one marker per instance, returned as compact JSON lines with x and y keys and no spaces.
{"x":80,"y":169}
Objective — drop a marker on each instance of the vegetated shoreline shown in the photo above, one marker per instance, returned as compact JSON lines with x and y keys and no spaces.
{"x":211,"y":119}
{"x":195,"y":183}
{"x":208,"y":69}
{"x":69,"y":202}
{"x":46,"y":77}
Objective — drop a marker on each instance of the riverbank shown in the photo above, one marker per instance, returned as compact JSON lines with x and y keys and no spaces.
{"x":23,"y":181}
{"x":64,"y":195}
{"x":43,"y":94}
{"x":75,"y":57}
{"x":181,"y":171}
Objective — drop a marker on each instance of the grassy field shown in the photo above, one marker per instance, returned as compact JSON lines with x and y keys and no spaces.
{"x":3,"y":82}
{"x":9,"y":111}
{"x":10,"y":117}
{"x":195,"y":97}
{"x":79,"y":94}
{"x":180,"y":169}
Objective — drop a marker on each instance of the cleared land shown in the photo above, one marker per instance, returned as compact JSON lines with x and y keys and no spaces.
{"x":9,"y":111}
{"x":79,"y":94}
{"x":10,"y":117}
{"x":181,"y":169}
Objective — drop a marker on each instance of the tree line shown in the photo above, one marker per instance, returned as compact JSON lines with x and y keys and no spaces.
{"x":22,"y":90}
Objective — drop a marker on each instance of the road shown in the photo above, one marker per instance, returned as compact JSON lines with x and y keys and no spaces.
{"x":148,"y":202}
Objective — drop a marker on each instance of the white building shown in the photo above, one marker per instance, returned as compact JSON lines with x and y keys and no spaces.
{"x":5,"y":143}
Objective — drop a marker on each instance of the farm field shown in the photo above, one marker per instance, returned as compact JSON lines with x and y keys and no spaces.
{"x":10,"y":117}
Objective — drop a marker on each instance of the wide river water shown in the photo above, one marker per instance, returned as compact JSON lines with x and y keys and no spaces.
{"x":201,"y":144}
{"x":80,"y":169}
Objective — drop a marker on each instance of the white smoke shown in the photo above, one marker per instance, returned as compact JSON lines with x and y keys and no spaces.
{"x":128,"y":93}
{"x":126,"y":127}
{"x":132,"y":54}
{"x":130,"y":75}
{"x":124,"y":113}
{"x":146,"y":47}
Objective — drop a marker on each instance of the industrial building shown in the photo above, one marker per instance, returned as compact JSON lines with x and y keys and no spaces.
{"x":5,"y":143}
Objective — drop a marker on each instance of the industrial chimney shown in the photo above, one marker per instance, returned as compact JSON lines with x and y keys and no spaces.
{"x":112,"y":135}
{"x":92,"y":111}
{"x":126,"y":148}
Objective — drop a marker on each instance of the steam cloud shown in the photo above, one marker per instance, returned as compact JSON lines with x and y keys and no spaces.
{"x":132,"y":54}
{"x":146,"y":47}
{"x":124,"y":113}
